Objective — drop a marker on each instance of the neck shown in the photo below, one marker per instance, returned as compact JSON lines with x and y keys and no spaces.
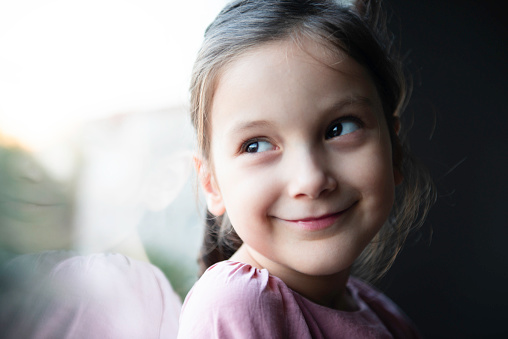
{"x":326,"y":290}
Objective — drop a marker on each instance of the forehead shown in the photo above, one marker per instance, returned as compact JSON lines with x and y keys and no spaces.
{"x":283,"y":54}
{"x":286,"y":76}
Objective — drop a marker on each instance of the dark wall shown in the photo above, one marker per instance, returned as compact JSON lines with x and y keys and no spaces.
{"x":452,"y":277}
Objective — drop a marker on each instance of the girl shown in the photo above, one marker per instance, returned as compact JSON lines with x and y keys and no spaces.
{"x":296,"y":106}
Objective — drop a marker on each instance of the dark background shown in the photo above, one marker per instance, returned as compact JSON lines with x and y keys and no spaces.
{"x":452,"y":276}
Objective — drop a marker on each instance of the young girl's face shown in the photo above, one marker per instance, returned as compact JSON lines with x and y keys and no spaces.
{"x":301,"y":157}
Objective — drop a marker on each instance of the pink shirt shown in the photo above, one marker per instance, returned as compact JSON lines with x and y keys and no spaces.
{"x":63,"y":295}
{"x":235,"y":300}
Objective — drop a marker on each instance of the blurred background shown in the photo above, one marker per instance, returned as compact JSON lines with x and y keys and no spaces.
{"x":95,"y":139}
{"x":96,"y":144}
{"x":451,"y":277}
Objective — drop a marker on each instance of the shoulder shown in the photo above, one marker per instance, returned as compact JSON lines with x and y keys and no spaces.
{"x":372,"y":296}
{"x":233,"y":278}
{"x":103,"y":295}
{"x":233,"y":300}
{"x":111,"y":272}
{"x":393,"y":318}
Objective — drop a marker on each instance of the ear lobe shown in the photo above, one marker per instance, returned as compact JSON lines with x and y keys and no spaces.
{"x":213,"y":196}
{"x":396,"y":125}
{"x":397,"y":175}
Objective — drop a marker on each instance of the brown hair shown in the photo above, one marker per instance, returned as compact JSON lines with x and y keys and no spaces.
{"x":357,"y":28}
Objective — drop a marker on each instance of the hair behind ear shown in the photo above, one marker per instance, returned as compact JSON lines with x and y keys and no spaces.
{"x":220,"y":241}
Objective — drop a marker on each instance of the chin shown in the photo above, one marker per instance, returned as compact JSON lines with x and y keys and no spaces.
{"x":323,"y":268}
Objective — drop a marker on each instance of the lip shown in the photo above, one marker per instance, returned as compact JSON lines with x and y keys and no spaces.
{"x":316,"y":223}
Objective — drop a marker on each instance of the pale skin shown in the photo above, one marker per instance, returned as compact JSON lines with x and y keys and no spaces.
{"x":301,"y":160}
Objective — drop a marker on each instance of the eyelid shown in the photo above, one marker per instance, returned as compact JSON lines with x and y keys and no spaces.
{"x":353,"y":118}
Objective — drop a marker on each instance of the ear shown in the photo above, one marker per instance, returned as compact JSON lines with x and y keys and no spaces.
{"x":214,"y":201}
{"x":398,"y":178}
{"x":396,"y":124}
{"x":397,"y":175}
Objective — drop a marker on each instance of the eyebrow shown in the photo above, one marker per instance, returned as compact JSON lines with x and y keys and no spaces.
{"x":337,"y":106}
{"x":243,"y":126}
{"x":359,"y":100}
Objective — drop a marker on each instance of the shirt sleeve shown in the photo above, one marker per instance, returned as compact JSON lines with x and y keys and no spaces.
{"x":233,"y":300}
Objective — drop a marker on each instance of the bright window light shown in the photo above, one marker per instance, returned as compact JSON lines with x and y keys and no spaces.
{"x":65,"y":62}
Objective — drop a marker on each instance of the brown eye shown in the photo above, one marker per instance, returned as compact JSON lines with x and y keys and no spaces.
{"x":340,"y":128}
{"x":252,"y":148}
{"x":258,"y":146}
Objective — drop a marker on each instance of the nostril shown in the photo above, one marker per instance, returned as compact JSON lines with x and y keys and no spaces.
{"x":309,"y":173}
{"x":312,"y":185}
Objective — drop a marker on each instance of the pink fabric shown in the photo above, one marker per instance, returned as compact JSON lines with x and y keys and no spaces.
{"x":63,"y":295}
{"x":235,"y":300}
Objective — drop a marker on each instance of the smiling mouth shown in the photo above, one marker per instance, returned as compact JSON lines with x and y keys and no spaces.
{"x":317,"y":223}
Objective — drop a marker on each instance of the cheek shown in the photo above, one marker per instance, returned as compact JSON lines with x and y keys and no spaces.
{"x":248,"y":194}
{"x":248,"y":202}
{"x":371,"y":173}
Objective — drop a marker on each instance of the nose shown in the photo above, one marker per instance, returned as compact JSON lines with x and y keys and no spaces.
{"x":310,"y":175}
